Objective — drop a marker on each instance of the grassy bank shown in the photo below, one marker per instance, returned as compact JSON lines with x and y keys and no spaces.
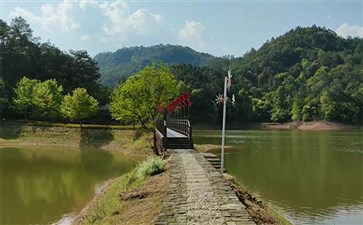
{"x":107,"y":137}
{"x":134,"y":198}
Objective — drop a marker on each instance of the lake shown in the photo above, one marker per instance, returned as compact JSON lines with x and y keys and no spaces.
{"x":311,"y":177}
{"x":44,"y":185}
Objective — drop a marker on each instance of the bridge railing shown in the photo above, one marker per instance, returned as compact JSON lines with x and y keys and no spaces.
{"x":161,"y":126}
{"x":180,"y":125}
{"x":160,"y":136}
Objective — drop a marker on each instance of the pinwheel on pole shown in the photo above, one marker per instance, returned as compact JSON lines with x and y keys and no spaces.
{"x":222,"y":99}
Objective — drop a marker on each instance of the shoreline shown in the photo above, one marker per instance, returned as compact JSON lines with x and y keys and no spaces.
{"x":258,"y":208}
{"x":122,"y":141}
{"x":313,"y":126}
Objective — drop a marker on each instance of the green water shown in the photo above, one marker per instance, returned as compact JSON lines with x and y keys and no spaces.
{"x":43,"y":185}
{"x":311,"y":177}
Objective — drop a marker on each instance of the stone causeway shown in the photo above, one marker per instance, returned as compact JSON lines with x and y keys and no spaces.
{"x":198,"y":194}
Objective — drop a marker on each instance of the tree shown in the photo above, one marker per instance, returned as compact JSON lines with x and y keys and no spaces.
{"x":23,"y":100}
{"x":3,"y":98}
{"x":202,"y":109}
{"x":84,"y":69}
{"x":19,"y":51}
{"x":281,"y":108}
{"x":243,"y":105}
{"x":79,"y":105}
{"x":47,"y":99}
{"x":136,"y":100}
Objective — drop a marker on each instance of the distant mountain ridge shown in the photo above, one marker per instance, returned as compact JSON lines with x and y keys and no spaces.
{"x":118,"y":65}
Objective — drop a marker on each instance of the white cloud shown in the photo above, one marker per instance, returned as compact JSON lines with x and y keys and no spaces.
{"x":85,"y":38}
{"x":117,"y":13}
{"x":192,"y":34}
{"x":346,"y":30}
{"x":93,"y":24}
{"x":83,"y":4}
{"x":50,"y":17}
{"x":121,"y":21}
{"x":142,"y":21}
{"x":117,"y":18}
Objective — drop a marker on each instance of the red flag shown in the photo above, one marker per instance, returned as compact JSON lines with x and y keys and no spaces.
{"x":229,"y":79}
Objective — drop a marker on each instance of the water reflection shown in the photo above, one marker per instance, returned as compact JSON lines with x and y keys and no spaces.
{"x":314,"y":176}
{"x":39,"y":185}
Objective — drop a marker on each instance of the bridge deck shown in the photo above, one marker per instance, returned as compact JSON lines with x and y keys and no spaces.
{"x":174,"y":134}
{"x":198,"y":194}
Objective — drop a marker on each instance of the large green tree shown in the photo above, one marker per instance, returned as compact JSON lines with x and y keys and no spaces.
{"x":3,"y":99}
{"x":79,"y":105}
{"x":136,"y":100}
{"x":23,"y":99}
{"x":47,"y":99}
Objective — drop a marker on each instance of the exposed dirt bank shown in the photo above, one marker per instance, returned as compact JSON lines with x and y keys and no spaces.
{"x":260,"y":212}
{"x":17,"y":134}
{"x":315,"y":125}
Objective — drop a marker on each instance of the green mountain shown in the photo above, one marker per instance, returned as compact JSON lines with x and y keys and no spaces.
{"x":305,"y":74}
{"x":118,"y":65}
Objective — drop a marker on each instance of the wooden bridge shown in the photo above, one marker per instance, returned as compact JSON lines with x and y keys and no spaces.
{"x":197,"y":192}
{"x":172,"y":133}
{"x":174,"y":130}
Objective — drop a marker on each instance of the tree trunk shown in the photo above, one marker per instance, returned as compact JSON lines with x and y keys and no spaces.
{"x":155,"y":147}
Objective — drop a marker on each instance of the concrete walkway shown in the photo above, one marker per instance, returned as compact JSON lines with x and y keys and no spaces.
{"x":173,"y":134}
{"x":197,"y":194}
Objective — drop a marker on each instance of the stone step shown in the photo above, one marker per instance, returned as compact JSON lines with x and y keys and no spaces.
{"x":209,"y":155}
{"x":213,"y":159}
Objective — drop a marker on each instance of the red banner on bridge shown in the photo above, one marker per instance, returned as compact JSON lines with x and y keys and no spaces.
{"x":181,"y":102}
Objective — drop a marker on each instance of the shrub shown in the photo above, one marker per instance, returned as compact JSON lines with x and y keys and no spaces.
{"x":152,"y":166}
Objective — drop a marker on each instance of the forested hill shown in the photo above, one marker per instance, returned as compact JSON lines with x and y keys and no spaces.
{"x":306,"y":74}
{"x":118,"y":65}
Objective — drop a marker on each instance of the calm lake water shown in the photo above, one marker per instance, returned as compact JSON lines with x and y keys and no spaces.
{"x":312,"y":177}
{"x":43,"y":185}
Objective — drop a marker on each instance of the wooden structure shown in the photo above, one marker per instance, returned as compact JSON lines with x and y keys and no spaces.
{"x":174,"y":130}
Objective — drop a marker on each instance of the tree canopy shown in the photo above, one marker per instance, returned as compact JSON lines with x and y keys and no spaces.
{"x":22,"y":54}
{"x":79,"y":105}
{"x":136,"y":100}
{"x":23,"y":99}
{"x":306,"y":74}
{"x":119,"y":65}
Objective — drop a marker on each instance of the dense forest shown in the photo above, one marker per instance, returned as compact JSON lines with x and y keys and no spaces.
{"x":47,"y":67}
{"x":305,"y":74}
{"x":118,"y":65}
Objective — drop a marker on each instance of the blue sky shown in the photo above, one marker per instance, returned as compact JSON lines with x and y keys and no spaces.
{"x":216,"y":27}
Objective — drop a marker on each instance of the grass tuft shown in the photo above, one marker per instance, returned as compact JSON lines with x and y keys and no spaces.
{"x":152,"y":166}
{"x":109,"y":203}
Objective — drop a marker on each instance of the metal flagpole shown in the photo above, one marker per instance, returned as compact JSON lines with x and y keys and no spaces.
{"x":224,"y":122}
